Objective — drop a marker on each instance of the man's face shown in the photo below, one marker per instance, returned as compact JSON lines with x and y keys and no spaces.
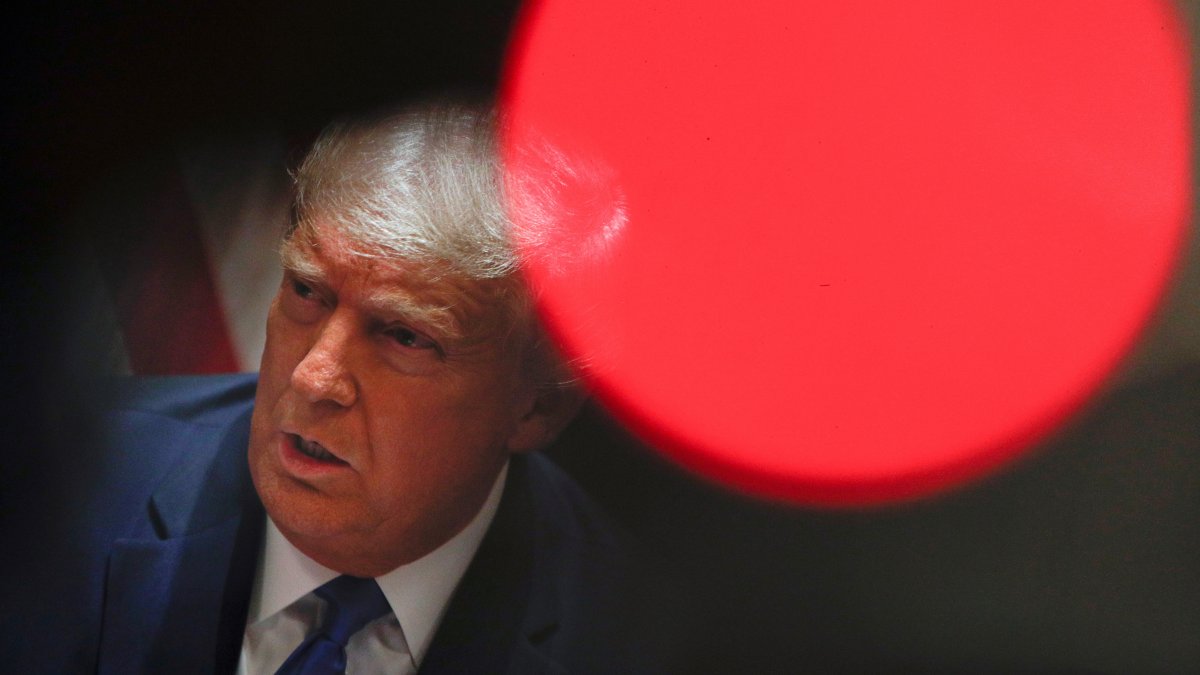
{"x":384,"y":410}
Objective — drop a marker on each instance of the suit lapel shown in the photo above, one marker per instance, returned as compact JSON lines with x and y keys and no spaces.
{"x":528,"y":660}
{"x":177,"y":592}
{"x":156,"y":591}
{"x":499,"y":613}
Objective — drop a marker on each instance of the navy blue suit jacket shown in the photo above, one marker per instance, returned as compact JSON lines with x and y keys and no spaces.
{"x":156,"y":572}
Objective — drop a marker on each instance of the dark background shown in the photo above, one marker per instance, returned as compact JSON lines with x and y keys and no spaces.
{"x":1085,"y":557}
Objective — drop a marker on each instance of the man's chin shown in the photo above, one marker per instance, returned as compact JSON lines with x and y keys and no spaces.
{"x":330,"y":541}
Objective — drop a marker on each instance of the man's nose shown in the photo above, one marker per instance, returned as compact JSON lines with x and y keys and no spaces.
{"x":324,"y":374}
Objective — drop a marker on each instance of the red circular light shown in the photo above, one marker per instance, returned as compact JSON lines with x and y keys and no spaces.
{"x":849,"y":252}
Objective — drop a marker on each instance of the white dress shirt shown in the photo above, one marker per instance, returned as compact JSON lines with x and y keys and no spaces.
{"x":283,"y":608}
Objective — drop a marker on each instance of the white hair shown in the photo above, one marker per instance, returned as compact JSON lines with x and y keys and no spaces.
{"x":420,"y":186}
{"x":424,"y":186}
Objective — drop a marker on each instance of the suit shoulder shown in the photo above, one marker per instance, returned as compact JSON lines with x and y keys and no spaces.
{"x":566,"y":510}
{"x":147,"y":426}
{"x":198,"y":399}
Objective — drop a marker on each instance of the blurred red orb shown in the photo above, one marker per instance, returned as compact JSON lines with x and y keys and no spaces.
{"x":845,"y":253}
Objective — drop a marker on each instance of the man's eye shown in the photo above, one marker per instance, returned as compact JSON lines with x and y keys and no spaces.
{"x":301,"y":301}
{"x":410,"y":339}
{"x":303,"y":290}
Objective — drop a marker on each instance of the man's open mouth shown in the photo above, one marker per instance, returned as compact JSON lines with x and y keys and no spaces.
{"x":314,"y":450}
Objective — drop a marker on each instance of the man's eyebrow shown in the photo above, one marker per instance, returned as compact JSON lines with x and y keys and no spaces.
{"x":296,"y":261}
{"x":406,"y":306}
{"x":392,"y":304}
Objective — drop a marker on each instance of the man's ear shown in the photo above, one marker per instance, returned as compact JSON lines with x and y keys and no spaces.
{"x":551,"y":410}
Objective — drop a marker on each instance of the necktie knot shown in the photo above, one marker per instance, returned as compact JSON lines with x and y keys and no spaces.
{"x":350,"y":604}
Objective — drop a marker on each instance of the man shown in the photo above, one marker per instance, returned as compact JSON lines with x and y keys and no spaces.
{"x":404,"y":384}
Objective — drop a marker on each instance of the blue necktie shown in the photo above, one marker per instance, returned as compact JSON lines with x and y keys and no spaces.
{"x":351,"y":603}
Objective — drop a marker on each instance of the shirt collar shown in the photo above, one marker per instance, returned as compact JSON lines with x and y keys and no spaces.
{"x":418,"y":592}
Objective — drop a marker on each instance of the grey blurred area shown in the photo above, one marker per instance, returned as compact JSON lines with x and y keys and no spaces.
{"x":1083,"y":557}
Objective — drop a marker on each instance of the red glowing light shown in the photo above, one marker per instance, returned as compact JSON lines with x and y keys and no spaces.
{"x":851,"y":252}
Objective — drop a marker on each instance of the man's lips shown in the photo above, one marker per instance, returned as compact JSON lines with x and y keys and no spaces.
{"x":312,"y":450}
